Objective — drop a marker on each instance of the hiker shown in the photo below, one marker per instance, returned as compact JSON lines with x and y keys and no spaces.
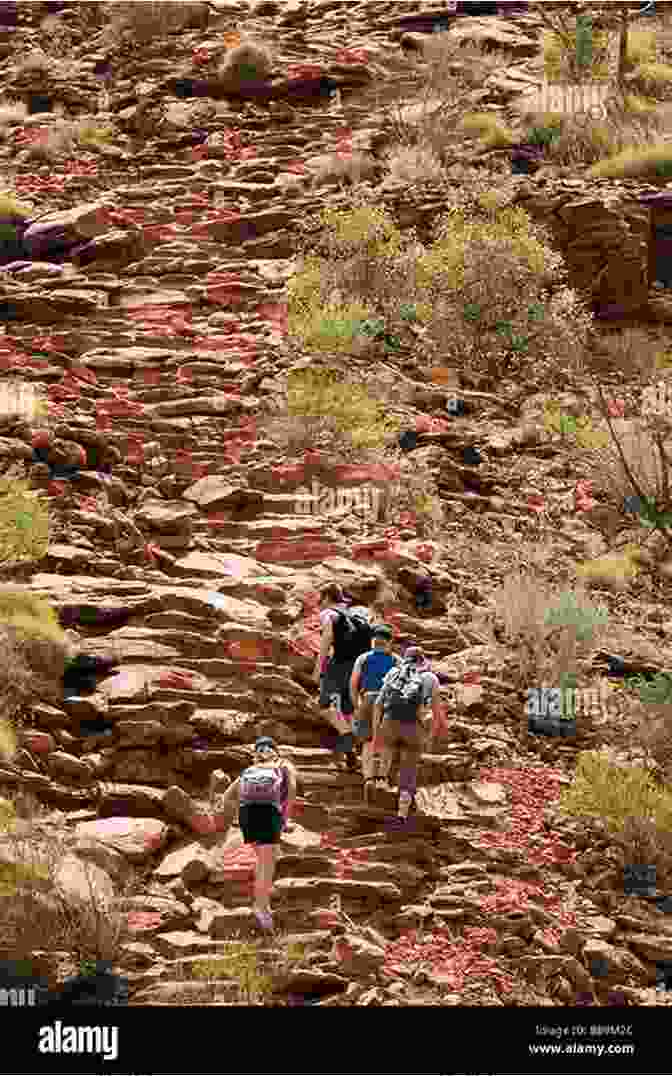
{"x":407,"y":692}
{"x":265,"y":792}
{"x":346,"y":633}
{"x":366,"y":681}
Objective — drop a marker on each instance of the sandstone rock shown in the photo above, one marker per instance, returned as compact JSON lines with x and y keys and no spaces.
{"x":651,"y":947}
{"x":136,"y":838}
{"x":610,"y":962}
{"x":357,"y":956}
{"x":182,"y":808}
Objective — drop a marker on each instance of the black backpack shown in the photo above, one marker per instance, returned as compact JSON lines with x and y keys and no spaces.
{"x":352,"y":636}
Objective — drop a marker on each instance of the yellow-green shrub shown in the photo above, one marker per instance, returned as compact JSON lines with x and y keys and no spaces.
{"x":612,"y":569}
{"x":332,"y":328}
{"x":615,"y":794}
{"x":365,"y":226}
{"x":459,"y":229}
{"x":10,"y":206}
{"x":347,"y":406}
{"x":652,"y":78}
{"x":560,"y":59}
{"x":488,"y":128}
{"x":24,"y":522}
{"x":641,"y":47}
{"x":243,"y":963}
{"x":7,"y":742}
{"x":653,"y":161}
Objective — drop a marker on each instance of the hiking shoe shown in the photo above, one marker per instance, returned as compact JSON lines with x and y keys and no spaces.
{"x":405,"y":803}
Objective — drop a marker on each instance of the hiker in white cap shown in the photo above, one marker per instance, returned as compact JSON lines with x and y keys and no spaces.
{"x":265,"y":792}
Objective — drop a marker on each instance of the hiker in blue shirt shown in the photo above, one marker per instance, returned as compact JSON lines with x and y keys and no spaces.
{"x":368,"y":674}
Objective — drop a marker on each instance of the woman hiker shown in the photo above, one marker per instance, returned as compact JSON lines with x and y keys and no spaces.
{"x":265,"y":792}
{"x":365,"y":684}
{"x":407,"y":692}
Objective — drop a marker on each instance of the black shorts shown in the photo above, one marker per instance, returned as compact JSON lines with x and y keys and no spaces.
{"x":261,"y":823}
{"x":336,"y":681}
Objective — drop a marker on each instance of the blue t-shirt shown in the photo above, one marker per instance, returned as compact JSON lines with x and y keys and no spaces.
{"x":373,"y":667}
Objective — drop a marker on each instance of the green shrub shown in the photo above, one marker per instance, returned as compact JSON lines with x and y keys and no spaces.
{"x":573,"y":612}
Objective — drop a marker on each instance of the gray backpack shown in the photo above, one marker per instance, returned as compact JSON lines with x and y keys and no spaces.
{"x":404,"y":689}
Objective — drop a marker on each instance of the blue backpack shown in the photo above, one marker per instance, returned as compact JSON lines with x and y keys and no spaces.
{"x":374,"y":670}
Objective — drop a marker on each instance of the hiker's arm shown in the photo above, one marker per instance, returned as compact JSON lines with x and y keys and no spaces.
{"x":434,"y":721}
{"x":292,"y":781}
{"x":228,"y":802}
{"x":326,"y":643}
{"x":354,"y":685}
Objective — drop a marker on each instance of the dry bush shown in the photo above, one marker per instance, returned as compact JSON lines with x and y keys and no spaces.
{"x":341,"y":168}
{"x":415,"y":498}
{"x":35,"y":649}
{"x":551,"y":630}
{"x":35,"y":913}
{"x":427,"y":114}
{"x":630,"y":352}
{"x":655,"y":735}
{"x":248,"y":62}
{"x":636,"y":451}
{"x":652,"y":161}
{"x":147,"y":20}
{"x":415,"y":164}
{"x":585,"y":140}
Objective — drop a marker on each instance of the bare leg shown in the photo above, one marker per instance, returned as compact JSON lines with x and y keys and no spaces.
{"x":263,"y":882}
{"x":336,"y":719}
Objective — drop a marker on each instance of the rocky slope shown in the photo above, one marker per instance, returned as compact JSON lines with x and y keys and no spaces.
{"x":145,"y":296}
